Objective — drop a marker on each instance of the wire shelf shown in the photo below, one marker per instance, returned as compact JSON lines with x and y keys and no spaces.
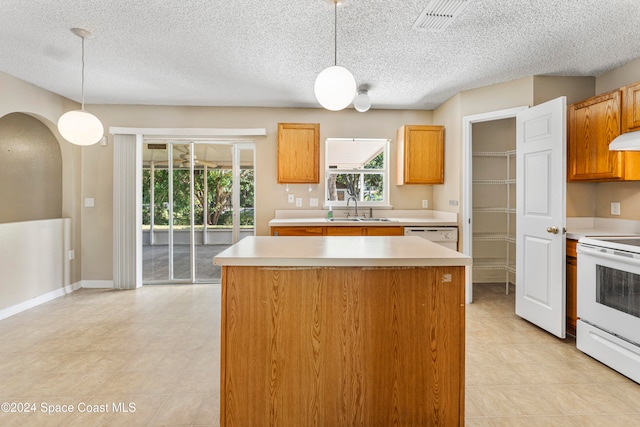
{"x":493,"y":264}
{"x":499,"y":210}
{"x":495,"y":181}
{"x":494,"y":153}
{"x":487,"y":237}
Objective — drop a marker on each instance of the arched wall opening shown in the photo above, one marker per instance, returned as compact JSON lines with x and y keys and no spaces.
{"x":30,"y":170}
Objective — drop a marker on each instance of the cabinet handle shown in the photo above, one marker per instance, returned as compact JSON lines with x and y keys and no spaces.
{"x":553,"y":229}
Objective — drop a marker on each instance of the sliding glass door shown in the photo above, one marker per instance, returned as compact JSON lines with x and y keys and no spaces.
{"x":198,"y":198}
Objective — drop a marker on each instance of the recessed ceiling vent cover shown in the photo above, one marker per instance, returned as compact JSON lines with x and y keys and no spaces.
{"x":439,"y":14}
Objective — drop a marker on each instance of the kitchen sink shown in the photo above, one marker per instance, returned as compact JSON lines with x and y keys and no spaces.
{"x":359,"y":219}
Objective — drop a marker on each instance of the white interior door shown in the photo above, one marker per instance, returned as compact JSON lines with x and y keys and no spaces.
{"x":540,"y":215}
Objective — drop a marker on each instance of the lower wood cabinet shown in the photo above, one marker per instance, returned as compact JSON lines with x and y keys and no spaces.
{"x":297,"y":231}
{"x":572,"y":275}
{"x":384,"y":231}
{"x":338,"y":231}
{"x":342,"y":346}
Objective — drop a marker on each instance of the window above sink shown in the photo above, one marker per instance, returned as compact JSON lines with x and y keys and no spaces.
{"x":357,"y":168}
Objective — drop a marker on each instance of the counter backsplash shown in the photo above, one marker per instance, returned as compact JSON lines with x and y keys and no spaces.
{"x":595,"y":226}
{"x":378,"y":213}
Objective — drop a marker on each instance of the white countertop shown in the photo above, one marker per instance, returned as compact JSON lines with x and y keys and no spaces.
{"x":339,"y":251}
{"x":338,"y":222}
{"x":423,"y":218}
{"x":578,"y":227}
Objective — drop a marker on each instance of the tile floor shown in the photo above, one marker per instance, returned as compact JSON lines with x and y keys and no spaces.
{"x":518,"y":375}
{"x":157,"y":349}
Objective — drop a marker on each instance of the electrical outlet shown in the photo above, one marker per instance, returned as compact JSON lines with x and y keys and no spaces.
{"x":615,"y":208}
{"x":453,"y":203}
{"x":299,"y":202}
{"x":313,"y":202}
{"x":425,"y":204}
{"x":89,"y":202}
{"x":291,"y":198}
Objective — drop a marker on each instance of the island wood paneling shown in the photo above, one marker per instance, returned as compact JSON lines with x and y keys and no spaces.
{"x":344,"y":346}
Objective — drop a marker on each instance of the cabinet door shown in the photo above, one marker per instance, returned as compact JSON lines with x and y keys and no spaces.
{"x":297,"y":231}
{"x":345,"y":231}
{"x":298,"y":153}
{"x":420,"y":155}
{"x":631,"y":108}
{"x":593,"y":124}
{"x":385,"y":231}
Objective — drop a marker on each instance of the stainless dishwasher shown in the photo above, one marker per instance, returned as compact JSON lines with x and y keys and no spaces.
{"x":445,"y":236}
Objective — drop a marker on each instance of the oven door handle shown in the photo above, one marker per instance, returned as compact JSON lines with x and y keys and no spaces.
{"x":618,"y":256}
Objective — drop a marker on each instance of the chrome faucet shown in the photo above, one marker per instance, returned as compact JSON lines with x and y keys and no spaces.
{"x":355,"y":201}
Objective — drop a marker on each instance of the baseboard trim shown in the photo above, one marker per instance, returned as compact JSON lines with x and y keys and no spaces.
{"x":97,"y":284}
{"x":34,"y":302}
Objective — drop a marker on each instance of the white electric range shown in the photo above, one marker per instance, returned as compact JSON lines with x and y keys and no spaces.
{"x":608,"y":327}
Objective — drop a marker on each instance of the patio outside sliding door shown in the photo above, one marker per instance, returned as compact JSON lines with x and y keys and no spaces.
{"x":188,"y":207}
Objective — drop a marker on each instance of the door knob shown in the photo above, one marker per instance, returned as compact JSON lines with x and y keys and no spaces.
{"x":552,"y":229}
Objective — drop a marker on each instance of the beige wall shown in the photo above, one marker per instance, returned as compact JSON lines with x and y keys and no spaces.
{"x":621,"y":76}
{"x":98,"y":164}
{"x":515,"y":93}
{"x":450,"y":116}
{"x":30,"y":170}
{"x":546,"y":88}
{"x":21,"y":97}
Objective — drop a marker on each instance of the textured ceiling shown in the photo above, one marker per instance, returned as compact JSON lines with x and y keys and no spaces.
{"x":269,"y":52}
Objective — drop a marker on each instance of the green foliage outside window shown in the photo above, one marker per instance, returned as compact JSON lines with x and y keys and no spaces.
{"x":218,"y":197}
{"x":350,"y":183}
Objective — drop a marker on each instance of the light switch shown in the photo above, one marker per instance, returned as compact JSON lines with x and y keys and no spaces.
{"x":313,"y":202}
{"x":290,"y":198}
{"x":89,"y":202}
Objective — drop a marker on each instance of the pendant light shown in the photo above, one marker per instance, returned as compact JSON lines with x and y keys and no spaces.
{"x":362,"y":101}
{"x":335,"y":86}
{"x":78,"y":126}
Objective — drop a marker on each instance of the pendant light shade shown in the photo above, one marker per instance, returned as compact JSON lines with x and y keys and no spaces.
{"x":78,"y":126}
{"x":335,"y":87}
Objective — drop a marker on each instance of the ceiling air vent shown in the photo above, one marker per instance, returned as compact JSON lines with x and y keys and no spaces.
{"x":439,"y":14}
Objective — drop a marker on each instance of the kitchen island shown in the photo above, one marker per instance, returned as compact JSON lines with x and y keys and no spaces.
{"x":342,"y":331}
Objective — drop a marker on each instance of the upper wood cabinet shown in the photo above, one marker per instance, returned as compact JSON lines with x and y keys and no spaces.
{"x":592,"y":125}
{"x":631,"y":108}
{"x":420,"y":155}
{"x":298,"y":153}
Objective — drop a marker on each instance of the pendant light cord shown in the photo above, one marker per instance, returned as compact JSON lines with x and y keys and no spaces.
{"x":335,"y":32}
{"x":82,"y":87}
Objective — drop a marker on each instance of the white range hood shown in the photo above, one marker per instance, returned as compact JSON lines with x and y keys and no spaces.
{"x":629,"y":141}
